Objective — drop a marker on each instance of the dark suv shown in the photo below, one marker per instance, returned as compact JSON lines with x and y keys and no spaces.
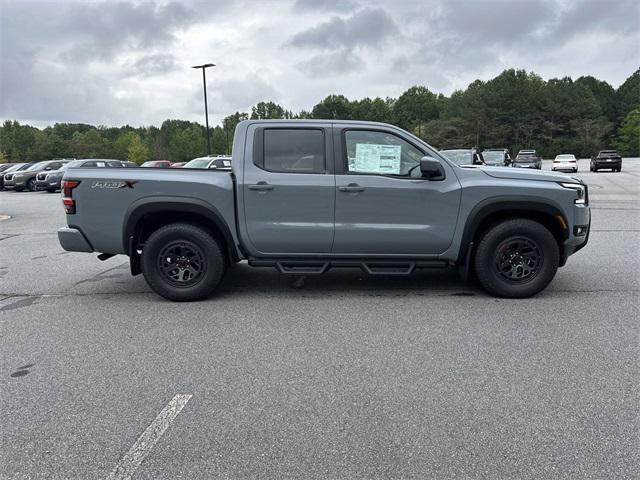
{"x":609,"y":159}
{"x":527,"y":159}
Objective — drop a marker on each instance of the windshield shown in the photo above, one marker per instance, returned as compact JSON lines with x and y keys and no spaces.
{"x":198,"y":163}
{"x":493,"y":156}
{"x":14,"y":168}
{"x":461,"y":157}
{"x":36,"y":167}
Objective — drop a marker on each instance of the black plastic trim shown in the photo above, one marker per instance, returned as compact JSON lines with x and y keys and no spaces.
{"x":497,"y":204}
{"x":137,"y":211}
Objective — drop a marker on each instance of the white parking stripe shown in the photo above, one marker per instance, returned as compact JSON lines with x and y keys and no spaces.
{"x":138,"y":452}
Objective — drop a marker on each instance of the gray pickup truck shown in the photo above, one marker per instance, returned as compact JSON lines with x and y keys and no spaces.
{"x":305,"y":196}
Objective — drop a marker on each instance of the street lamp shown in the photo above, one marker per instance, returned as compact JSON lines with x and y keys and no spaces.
{"x":206,"y":110}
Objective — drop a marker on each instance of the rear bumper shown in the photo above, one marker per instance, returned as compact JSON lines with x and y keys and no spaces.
{"x":72,"y":240}
{"x":565,"y":166}
{"x":605,"y":164}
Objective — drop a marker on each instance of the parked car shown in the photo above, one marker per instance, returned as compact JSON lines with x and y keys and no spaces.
{"x":496,"y":157}
{"x":609,"y":159}
{"x":178,"y":164}
{"x":8,"y":173}
{"x":26,"y":179}
{"x":209,"y":162}
{"x":527,"y":159}
{"x":221,"y":162}
{"x":126,"y":163}
{"x":464,"y":156}
{"x":5,"y":166}
{"x":157,"y":164}
{"x":565,"y":161}
{"x":295,"y":203}
{"x":52,"y":181}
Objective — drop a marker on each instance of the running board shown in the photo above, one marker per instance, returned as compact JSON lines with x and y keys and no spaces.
{"x":371,"y":267}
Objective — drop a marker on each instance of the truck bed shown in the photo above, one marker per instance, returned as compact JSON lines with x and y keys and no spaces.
{"x":107,"y":197}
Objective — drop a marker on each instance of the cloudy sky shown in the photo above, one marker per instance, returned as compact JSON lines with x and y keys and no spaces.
{"x":114,"y":62}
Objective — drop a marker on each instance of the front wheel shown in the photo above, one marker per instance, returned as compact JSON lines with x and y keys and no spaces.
{"x":182,"y":262}
{"x":516,"y":258}
{"x":31,"y":185}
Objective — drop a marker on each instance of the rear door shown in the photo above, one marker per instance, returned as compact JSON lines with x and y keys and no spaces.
{"x":289,"y":190}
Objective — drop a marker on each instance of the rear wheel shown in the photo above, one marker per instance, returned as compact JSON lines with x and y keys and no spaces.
{"x":182,"y":262}
{"x":516,"y":258}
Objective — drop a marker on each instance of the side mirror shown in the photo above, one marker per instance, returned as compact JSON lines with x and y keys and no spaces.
{"x":431,"y":168}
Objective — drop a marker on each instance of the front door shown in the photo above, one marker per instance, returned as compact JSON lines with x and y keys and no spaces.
{"x":383,"y":204}
{"x":289,"y":193}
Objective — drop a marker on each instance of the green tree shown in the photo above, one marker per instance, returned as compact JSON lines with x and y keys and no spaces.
{"x":333,"y":107}
{"x":628,"y":139}
{"x":3,"y":157}
{"x":187,"y":144}
{"x":417,"y":104}
{"x":267,"y":110}
{"x":628,"y":95}
{"x":137,"y":151}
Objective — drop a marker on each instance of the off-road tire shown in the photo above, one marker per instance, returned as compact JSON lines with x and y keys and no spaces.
{"x":203,"y":260}
{"x":496,"y":245}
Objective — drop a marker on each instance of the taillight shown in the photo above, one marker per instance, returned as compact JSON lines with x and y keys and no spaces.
{"x":69,"y":203}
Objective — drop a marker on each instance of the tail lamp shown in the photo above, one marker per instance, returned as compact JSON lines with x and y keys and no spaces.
{"x":69,"y":203}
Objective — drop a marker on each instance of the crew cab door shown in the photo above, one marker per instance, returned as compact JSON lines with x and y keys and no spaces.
{"x":288,"y":189}
{"x":383,"y":204}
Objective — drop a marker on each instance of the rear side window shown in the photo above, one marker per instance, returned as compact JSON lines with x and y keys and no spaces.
{"x":293,"y":150}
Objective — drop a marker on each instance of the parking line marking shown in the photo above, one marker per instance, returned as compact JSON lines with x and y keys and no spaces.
{"x":143,"y":446}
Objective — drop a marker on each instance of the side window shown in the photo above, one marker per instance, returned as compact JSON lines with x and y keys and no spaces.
{"x":381,"y":153}
{"x":293,"y":150}
{"x":90,"y":164}
{"x":55,"y":165}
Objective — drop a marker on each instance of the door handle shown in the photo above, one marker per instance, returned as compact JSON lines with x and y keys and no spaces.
{"x":261,"y":186}
{"x":351,"y":188}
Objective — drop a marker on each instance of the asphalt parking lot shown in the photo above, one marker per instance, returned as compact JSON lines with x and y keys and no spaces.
{"x":338,"y":376}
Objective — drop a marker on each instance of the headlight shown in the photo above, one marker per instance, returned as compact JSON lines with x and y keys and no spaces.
{"x":580,"y":189}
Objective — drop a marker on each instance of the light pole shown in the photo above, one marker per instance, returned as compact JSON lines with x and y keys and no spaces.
{"x":206,"y":109}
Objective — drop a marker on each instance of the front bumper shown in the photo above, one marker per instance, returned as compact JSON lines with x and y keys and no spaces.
{"x":72,"y":240}
{"x":581,"y":218}
{"x":48,"y":184}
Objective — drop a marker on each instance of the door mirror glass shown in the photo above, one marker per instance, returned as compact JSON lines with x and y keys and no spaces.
{"x":431,"y":168}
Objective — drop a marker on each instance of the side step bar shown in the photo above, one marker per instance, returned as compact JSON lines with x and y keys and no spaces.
{"x":371,"y":267}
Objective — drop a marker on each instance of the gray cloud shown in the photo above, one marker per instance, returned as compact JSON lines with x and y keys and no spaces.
{"x":324,"y":5}
{"x":341,"y":62}
{"x":127,"y":61}
{"x":155,"y":64}
{"x":368,"y":27}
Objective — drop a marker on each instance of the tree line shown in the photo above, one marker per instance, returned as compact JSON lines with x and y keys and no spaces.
{"x":516,"y":109}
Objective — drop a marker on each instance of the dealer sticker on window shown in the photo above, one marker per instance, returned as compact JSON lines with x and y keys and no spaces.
{"x":371,"y":158}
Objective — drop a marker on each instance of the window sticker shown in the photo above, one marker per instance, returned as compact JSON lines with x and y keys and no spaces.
{"x":371,"y":158}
